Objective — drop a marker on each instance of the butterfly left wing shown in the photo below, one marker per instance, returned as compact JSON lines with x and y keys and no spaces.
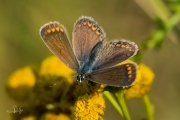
{"x":114,"y":52}
{"x":118,"y":76}
{"x":55,"y":37}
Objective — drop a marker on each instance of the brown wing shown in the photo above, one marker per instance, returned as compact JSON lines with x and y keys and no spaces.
{"x":86,"y":35}
{"x":114,"y":52}
{"x":55,"y":37}
{"x":118,"y":76}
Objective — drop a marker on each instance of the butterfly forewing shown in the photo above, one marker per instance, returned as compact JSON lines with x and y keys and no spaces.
{"x":86,"y":35}
{"x":55,"y":37}
{"x":118,"y":76}
{"x":114,"y":52}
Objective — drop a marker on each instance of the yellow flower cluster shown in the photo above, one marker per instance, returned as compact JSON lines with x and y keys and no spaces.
{"x":48,"y":116}
{"x":20,"y":84}
{"x":22,"y":77}
{"x":89,"y":107}
{"x":52,"y":116}
{"x":143,"y":86}
{"x":32,"y":88}
{"x":53,"y":66}
{"x":29,"y":118}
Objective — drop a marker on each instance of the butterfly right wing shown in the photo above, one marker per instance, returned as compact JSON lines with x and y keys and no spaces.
{"x":86,"y":35}
{"x":54,"y":35}
{"x":114,"y":52}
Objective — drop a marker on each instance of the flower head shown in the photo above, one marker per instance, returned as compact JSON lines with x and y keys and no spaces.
{"x":29,"y":118}
{"x":53,"y":66}
{"x":53,"y":83}
{"x":22,"y":77}
{"x":53,"y":116}
{"x":89,"y":107}
{"x":20,"y":84}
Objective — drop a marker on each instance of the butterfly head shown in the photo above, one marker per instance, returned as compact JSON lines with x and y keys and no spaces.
{"x":80,"y":77}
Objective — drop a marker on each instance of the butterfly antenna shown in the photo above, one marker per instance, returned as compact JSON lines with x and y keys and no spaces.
{"x":61,"y":81}
{"x":57,"y":83}
{"x":73,"y":76}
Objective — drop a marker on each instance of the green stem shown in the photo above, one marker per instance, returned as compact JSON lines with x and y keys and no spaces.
{"x":113,"y":102}
{"x":173,"y":21}
{"x":161,"y":10}
{"x":154,"y":8}
{"x":120,"y":97}
{"x":149,"y":107}
{"x":101,"y":118}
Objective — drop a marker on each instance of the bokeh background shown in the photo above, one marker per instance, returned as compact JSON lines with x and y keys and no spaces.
{"x":21,"y":45}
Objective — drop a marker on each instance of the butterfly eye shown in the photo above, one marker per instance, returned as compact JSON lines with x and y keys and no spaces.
{"x":80,"y":77}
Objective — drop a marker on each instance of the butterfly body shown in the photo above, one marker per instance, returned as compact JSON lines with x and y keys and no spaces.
{"x":92,"y":57}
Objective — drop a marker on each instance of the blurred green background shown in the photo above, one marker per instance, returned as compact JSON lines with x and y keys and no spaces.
{"x":21,"y":45}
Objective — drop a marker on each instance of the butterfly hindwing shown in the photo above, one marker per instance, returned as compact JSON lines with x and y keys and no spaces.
{"x":118,"y":76}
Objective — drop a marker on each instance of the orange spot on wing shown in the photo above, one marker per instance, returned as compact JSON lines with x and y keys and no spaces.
{"x":111,"y":45}
{"x":129,"y":68}
{"x":89,"y":24}
{"x":53,"y":29}
{"x":79,"y":25}
{"x":129,"y":72}
{"x":48,"y":31}
{"x":62,"y":30}
{"x":94,"y":28}
{"x":118,"y":44}
{"x":130,"y":76}
{"x":123,"y":46}
{"x":57,"y":29}
{"x":98,"y":32}
{"x":84,"y":22}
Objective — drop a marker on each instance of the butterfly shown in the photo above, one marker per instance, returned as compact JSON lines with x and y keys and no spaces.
{"x":91,"y":56}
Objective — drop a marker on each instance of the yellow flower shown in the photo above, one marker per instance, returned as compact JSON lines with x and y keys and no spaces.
{"x":20,"y":84}
{"x":52,"y":116}
{"x":89,"y":107}
{"x":22,"y":77}
{"x":143,"y":86}
{"x":53,"y":66}
{"x":28,"y":118}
